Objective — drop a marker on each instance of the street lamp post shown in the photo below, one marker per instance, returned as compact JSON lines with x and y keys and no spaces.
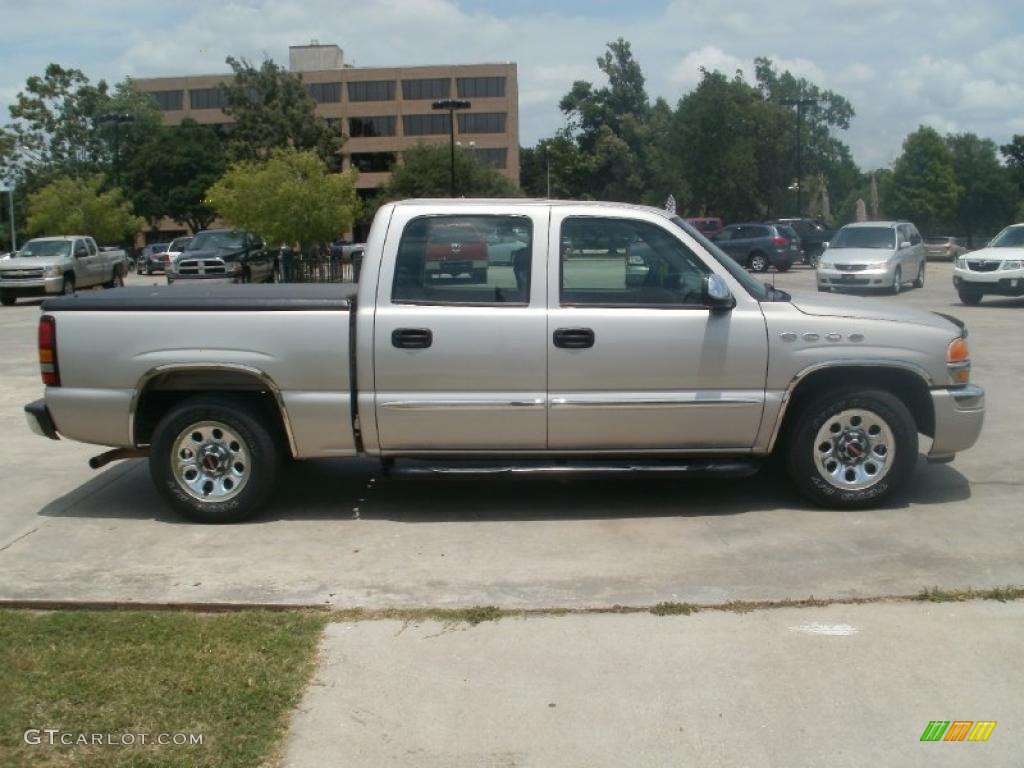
{"x":10,"y":202}
{"x":799,"y":104}
{"x":117,"y":119}
{"x":451,"y":105}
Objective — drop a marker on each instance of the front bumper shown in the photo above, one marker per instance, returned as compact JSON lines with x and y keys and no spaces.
{"x":39,"y":419}
{"x":874,"y":277}
{"x":959,"y":415}
{"x":32,"y":286}
{"x":1004,"y":282}
{"x":204,"y":279}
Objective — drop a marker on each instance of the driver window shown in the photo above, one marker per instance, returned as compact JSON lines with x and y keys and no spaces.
{"x":620,"y":262}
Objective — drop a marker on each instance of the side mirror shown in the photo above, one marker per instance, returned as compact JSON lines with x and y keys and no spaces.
{"x":904,"y":244}
{"x":716,"y":294}
{"x":824,"y":245}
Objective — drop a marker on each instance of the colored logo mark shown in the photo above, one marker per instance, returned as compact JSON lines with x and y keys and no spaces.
{"x":958,"y":730}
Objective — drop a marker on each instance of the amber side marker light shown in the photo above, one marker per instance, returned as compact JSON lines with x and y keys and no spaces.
{"x":48,"y":351}
{"x":958,"y":358}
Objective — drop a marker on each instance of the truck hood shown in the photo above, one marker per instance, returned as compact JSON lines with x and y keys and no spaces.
{"x":830,"y":305}
{"x":32,"y":262}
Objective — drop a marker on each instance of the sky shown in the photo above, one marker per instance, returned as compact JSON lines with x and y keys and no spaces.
{"x":952,"y":65}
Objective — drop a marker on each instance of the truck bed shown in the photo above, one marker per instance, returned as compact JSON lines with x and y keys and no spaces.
{"x":215,"y":298}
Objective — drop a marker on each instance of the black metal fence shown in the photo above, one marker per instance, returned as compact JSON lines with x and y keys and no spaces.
{"x":308,"y":268}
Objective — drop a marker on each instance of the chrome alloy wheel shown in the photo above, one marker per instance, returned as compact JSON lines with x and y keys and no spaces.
{"x":854,"y":449}
{"x":210,"y":461}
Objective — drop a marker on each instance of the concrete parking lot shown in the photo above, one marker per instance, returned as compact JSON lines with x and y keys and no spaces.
{"x":341,"y":534}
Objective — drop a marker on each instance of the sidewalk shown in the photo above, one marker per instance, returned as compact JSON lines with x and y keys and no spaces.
{"x":838,"y":686}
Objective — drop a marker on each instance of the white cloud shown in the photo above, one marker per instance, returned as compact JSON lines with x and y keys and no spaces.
{"x":687,"y":72}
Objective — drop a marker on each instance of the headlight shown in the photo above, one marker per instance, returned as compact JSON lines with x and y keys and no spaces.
{"x":234,"y":267}
{"x":1015,"y":264}
{"x":54,"y":270}
{"x":961,"y":263}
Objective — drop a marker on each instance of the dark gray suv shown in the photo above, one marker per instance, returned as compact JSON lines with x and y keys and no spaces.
{"x":759,"y":246}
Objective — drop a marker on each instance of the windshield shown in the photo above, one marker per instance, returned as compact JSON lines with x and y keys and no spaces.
{"x":758,"y":290}
{"x":179,"y":245}
{"x":864,"y":237}
{"x":45,"y":248}
{"x":1011,"y":237}
{"x":207,"y":240}
{"x":938,"y":240}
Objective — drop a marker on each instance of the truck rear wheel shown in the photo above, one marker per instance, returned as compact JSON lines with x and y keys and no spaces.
{"x":214,"y":460}
{"x":852,"y":448}
{"x":7,"y":299}
{"x":970,"y":296}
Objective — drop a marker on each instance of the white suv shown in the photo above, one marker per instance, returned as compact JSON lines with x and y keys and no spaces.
{"x":996,"y":269}
{"x":873,"y":254}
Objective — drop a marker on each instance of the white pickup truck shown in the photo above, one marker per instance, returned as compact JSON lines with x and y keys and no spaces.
{"x":569,"y":355}
{"x":49,"y":265}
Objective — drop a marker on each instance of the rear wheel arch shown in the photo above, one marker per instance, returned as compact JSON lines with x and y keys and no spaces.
{"x":164,"y":388}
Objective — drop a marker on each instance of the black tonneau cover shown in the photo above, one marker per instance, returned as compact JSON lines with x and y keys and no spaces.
{"x":281,"y":297}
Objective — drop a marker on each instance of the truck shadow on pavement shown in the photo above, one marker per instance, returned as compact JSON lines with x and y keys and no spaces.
{"x":327,"y":489}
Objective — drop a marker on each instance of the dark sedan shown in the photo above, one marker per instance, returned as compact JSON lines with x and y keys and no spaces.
{"x":759,"y":246}
{"x":153,"y":258}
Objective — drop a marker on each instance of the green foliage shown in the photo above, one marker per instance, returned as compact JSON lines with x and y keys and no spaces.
{"x":923,"y":186}
{"x":273,"y":110}
{"x":289,"y":198}
{"x":425,"y":171}
{"x":71,"y":206}
{"x":987,"y":201}
{"x":172,"y":171}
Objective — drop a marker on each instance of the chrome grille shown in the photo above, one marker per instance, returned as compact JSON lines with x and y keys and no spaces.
{"x":20,"y":274}
{"x":201,"y":267}
{"x":851,"y":267}
{"x":983,"y":266}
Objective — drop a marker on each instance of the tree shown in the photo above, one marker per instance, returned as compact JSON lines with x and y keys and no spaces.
{"x":73,"y":206}
{"x":289,"y":198}
{"x":273,"y":110}
{"x":987,"y":200}
{"x":425,"y":171}
{"x":172,"y":171}
{"x":923,"y":185}
{"x":1013,"y":154}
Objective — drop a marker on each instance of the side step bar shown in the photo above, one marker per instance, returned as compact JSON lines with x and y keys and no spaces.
{"x":694,"y":468}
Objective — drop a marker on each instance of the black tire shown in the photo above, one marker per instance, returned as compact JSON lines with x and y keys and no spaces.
{"x":897,"y":282}
{"x":116,"y":279}
{"x":757,"y":262}
{"x":800,"y":444}
{"x":479,"y":275}
{"x":970,"y":296}
{"x":919,"y":280}
{"x":8,"y":299}
{"x":783,"y":267}
{"x":264,"y":459}
{"x":68,"y":287}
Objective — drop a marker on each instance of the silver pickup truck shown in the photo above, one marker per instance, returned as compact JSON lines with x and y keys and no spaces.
{"x":607,"y":337}
{"x":49,"y":265}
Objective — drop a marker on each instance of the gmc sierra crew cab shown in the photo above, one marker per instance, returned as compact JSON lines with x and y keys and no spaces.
{"x":563,"y":357}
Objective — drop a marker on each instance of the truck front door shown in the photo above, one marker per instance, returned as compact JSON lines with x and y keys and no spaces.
{"x":636,"y":361}
{"x":459,"y":343}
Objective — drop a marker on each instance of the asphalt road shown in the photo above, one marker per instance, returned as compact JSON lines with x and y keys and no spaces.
{"x":341,"y":534}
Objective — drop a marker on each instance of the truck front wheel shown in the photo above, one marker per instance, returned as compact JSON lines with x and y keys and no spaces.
{"x":852,"y":449}
{"x":7,"y":299}
{"x":214,"y":460}
{"x":970,"y":296}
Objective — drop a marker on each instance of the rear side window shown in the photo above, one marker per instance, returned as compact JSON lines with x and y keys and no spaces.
{"x":626,"y":263}
{"x":464,"y":260}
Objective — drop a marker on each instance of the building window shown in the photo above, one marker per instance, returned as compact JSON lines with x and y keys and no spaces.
{"x":426,"y":125}
{"x":481,"y":87}
{"x":373,"y":162}
{"x":206,"y":98}
{"x":168,"y":100}
{"x":372,"y":90}
{"x":366,"y":127}
{"x":481,"y":122}
{"x":325,"y":93}
{"x":464,"y":260}
{"x":428,"y":88}
{"x":491,"y":158}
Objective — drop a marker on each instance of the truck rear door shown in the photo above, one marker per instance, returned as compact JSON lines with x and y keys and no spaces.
{"x":636,"y":362}
{"x":460,"y":352}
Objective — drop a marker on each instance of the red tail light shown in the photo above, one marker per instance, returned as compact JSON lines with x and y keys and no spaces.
{"x":781,"y":242}
{"x":48,"y":351}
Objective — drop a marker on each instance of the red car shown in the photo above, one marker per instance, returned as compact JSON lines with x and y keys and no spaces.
{"x":706,"y":225}
{"x":456,"y":249}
